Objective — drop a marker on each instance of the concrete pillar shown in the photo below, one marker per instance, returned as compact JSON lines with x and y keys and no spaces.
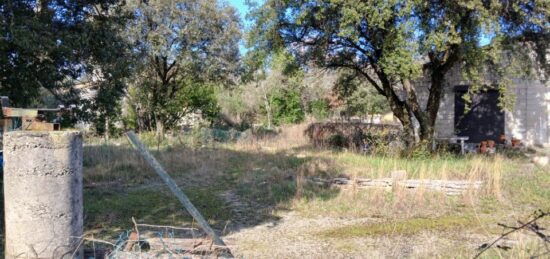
{"x":43,"y":194}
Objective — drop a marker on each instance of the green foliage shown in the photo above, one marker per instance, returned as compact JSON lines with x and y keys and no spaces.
{"x":389,"y":44}
{"x":48,"y":47}
{"x":278,"y":82}
{"x":194,"y":97}
{"x":191,"y":97}
{"x":365,"y":101}
{"x":286,"y":107}
{"x":187,"y":46}
{"x":360,"y":98}
{"x":232,"y":102}
{"x":287,"y":65}
{"x":319,"y":109}
{"x":420,"y":151}
{"x":239,"y":106}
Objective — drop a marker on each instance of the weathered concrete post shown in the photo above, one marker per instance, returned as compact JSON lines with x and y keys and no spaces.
{"x":43,"y":194}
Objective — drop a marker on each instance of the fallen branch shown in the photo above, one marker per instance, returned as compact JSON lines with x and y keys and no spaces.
{"x":530,"y":225}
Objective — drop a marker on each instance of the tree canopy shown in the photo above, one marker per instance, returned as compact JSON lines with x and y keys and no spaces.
{"x":389,"y":44}
{"x":54,"y":51}
{"x":53,"y":44}
{"x":181,"y":43}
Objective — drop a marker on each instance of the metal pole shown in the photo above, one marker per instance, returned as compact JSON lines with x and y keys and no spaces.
{"x":175,"y":189}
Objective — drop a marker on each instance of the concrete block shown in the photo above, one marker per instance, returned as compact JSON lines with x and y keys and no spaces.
{"x":43,"y":194}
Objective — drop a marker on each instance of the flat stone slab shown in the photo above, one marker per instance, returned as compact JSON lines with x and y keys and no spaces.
{"x":450,"y":187}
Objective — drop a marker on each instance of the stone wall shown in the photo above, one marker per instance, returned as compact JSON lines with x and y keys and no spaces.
{"x":529,"y":120}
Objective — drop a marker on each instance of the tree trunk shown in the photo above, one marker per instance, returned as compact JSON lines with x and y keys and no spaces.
{"x":408,"y":127}
{"x":426,"y":131}
{"x":434,"y":101}
{"x":106,"y":129}
{"x":269,"y":115}
{"x":268,"y":108}
{"x":399,"y":109}
{"x":159,"y":127}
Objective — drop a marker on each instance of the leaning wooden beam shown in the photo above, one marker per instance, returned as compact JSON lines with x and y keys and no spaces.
{"x":9,"y":112}
{"x":176,"y":190}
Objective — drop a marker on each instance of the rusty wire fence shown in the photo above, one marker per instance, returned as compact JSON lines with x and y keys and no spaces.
{"x":152,"y":241}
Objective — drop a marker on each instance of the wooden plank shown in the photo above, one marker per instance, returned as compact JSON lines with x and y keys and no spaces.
{"x":34,"y":125}
{"x":176,"y":190}
{"x":18,"y":112}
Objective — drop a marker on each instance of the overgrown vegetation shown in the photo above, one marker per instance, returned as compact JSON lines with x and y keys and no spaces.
{"x":229,"y":124}
{"x":390,"y":45}
{"x":269,"y":177}
{"x":144,"y":65}
{"x":362,"y":137}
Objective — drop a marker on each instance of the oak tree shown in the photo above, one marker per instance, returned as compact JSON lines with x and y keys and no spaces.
{"x":183,"y":44}
{"x":389,"y":44}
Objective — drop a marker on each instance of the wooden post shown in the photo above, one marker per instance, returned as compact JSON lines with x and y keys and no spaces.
{"x":176,"y":190}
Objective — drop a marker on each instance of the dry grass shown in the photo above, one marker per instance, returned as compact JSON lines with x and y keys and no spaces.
{"x":269,"y":176}
{"x":287,"y":139}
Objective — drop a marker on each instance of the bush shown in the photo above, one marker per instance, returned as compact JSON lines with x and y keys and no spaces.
{"x":190,"y":98}
{"x":319,"y":109}
{"x":419,"y":151}
{"x":338,"y":141}
{"x":354,"y":135}
{"x":286,"y":107}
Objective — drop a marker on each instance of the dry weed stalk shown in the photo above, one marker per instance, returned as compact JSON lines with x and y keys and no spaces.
{"x":531,"y":226}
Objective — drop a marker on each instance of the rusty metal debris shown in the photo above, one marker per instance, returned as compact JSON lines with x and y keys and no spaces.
{"x":23,"y":119}
{"x":30,"y":119}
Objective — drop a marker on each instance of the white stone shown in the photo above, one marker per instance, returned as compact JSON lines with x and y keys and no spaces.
{"x":541,"y":161}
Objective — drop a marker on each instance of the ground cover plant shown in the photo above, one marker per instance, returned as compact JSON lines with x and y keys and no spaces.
{"x":257,"y":193}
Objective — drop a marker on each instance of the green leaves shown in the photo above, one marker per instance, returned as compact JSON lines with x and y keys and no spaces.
{"x":389,"y":44}
{"x":49,"y":45}
{"x":189,"y":47}
{"x":286,"y":107}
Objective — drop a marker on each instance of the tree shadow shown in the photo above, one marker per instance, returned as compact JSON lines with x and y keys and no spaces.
{"x":233,"y":189}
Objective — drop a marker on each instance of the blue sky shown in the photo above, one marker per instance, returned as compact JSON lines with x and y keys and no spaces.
{"x":241,"y":7}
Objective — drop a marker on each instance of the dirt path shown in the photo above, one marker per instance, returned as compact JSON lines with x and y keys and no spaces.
{"x":290,"y":237}
{"x":294,"y":236}
{"x":245,"y":212}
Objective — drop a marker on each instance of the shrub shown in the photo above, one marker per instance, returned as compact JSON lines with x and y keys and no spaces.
{"x":419,"y":151}
{"x":354,"y":135}
{"x":338,"y":140}
{"x":319,"y":109}
{"x":287,"y":108}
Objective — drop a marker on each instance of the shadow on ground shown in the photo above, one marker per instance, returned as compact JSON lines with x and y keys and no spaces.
{"x":233,"y":189}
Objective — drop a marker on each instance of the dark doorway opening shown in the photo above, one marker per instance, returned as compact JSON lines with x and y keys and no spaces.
{"x":484,"y":120}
